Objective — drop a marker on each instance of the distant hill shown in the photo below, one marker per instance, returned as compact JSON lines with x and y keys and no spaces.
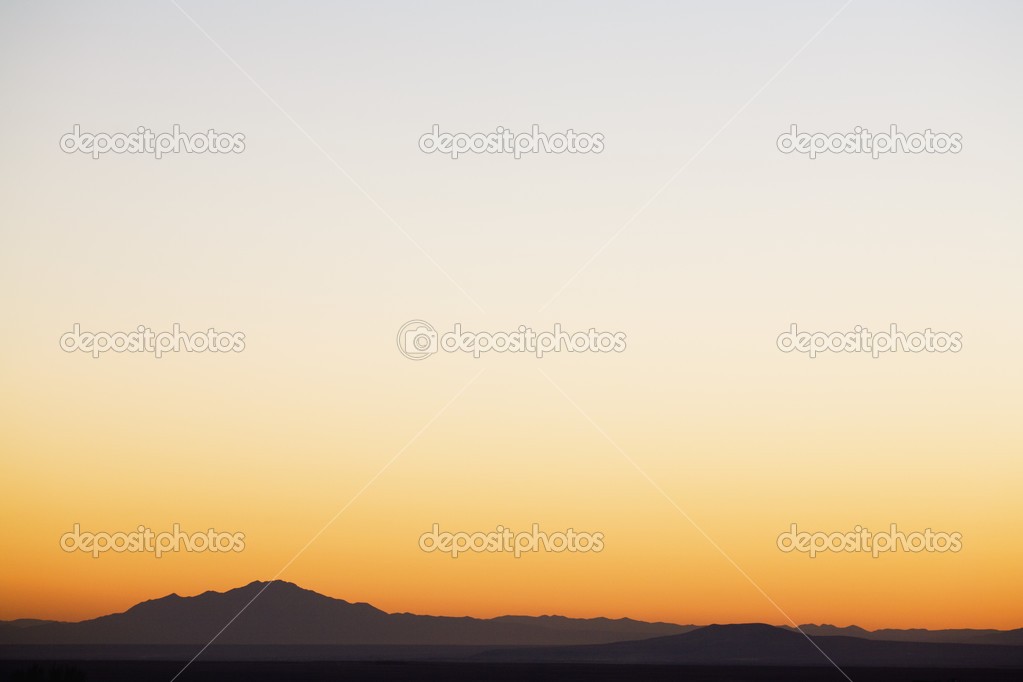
{"x":961,"y":636}
{"x":21,"y":623}
{"x":757,"y":644}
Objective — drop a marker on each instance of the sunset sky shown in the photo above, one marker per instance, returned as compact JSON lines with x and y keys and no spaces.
{"x":332,"y":229}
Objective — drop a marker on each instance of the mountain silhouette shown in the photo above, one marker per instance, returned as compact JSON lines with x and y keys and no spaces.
{"x":285,"y":614}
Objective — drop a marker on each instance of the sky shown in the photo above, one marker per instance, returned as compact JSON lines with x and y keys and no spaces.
{"x":691,"y":451}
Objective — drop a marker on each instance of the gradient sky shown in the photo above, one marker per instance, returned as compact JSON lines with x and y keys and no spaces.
{"x":276,"y":242}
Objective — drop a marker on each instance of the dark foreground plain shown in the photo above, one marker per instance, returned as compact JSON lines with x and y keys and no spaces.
{"x":336,"y":671}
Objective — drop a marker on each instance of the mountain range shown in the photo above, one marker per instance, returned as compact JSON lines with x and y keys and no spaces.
{"x":281,"y":621}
